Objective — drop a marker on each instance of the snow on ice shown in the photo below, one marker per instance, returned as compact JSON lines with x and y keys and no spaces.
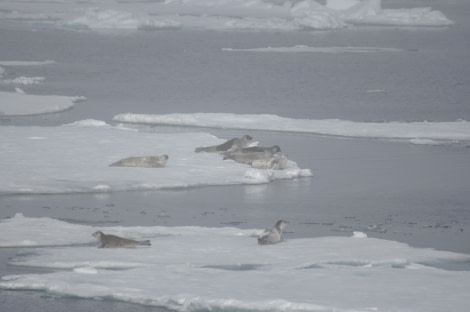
{"x":414,"y":132}
{"x":219,"y":15}
{"x":76,"y":158}
{"x":310,"y":274}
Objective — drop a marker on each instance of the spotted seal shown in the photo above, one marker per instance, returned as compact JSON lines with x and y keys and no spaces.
{"x":257,"y":149}
{"x":144,"y":162}
{"x":248,"y":157}
{"x":275,"y":163}
{"x":229,"y":146}
{"x":113,"y":241}
{"x":273,"y":235}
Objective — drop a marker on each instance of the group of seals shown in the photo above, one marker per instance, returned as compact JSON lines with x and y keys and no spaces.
{"x":259,"y":157}
{"x":251,"y":154}
{"x":236,"y":149}
{"x":113,"y":241}
{"x":144,"y":162}
{"x":272,"y":235}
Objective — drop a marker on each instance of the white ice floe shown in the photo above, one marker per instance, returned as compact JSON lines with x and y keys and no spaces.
{"x":370,"y":12}
{"x":15,"y":104}
{"x":308,"y":49}
{"x":76,"y":158}
{"x":24,"y":81}
{"x":219,"y":15}
{"x":199,"y":268}
{"x":433,"y":132}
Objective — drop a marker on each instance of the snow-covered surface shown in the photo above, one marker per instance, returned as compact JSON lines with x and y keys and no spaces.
{"x":199,"y":268}
{"x":414,"y":132}
{"x":220,"y":15}
{"x":76,"y":157}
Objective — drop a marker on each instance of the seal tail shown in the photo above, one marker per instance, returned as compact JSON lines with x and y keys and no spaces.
{"x":144,"y":243}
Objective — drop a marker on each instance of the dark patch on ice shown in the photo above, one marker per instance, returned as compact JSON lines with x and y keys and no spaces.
{"x":349,"y":263}
{"x":22,"y":255}
{"x":116,"y":268}
{"x":356,"y":263}
{"x":233,"y":267}
{"x":312,"y":266}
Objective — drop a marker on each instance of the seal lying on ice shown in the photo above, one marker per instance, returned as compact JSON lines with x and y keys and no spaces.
{"x":144,"y":162}
{"x":248,"y":157}
{"x":273,"y":235}
{"x":275,"y":163}
{"x":257,"y":149}
{"x":231,"y":145}
{"x":113,"y":241}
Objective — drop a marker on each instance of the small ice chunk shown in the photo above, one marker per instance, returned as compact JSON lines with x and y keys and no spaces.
{"x":357,"y":234}
{"x":85,"y":270}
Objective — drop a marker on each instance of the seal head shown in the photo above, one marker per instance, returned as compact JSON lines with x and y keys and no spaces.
{"x":273,"y":235}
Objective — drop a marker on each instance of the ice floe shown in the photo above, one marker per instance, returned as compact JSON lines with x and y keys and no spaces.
{"x":76,"y":158}
{"x":308,"y":49}
{"x":413,"y":132}
{"x":219,"y":15}
{"x":199,"y":268}
{"x":19,"y":103}
{"x":24,"y":81}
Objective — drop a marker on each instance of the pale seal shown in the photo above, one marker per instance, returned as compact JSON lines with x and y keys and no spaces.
{"x":273,"y":235}
{"x":113,"y":241}
{"x":229,"y":146}
{"x":248,"y":157}
{"x":275,"y":163}
{"x":144,"y":162}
